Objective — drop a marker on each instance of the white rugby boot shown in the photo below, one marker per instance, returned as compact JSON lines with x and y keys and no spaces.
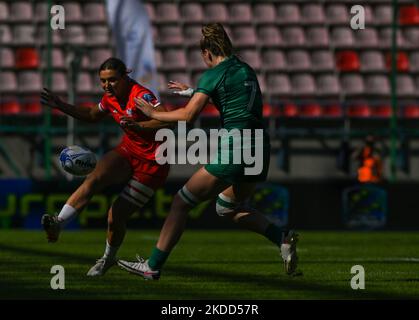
{"x":140,"y":268}
{"x":102,"y":265}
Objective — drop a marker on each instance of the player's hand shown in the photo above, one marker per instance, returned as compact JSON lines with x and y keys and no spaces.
{"x":180,"y":89}
{"x":128,"y":123}
{"x":50,"y":99}
{"x":177,"y":85}
{"x":144,"y":106}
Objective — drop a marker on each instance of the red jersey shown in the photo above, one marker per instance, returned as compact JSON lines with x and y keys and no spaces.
{"x":140,"y":145}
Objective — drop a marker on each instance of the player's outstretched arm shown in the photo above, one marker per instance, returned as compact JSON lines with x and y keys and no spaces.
{"x":49,"y":99}
{"x":128,"y":123}
{"x":180,"y":89}
{"x":187,"y":113}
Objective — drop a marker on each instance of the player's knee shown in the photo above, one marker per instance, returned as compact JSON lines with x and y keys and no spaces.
{"x":185,"y":199}
{"x":225,"y":206}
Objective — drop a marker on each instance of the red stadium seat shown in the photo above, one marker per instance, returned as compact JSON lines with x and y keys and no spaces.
{"x":313,"y":110}
{"x":409,"y":15}
{"x":27,"y":58}
{"x":347,"y":61}
{"x":359,"y":111}
{"x":402,"y":61}
{"x":290,"y":110}
{"x":333,"y":111}
{"x":32,"y":108}
{"x":267,"y":111}
{"x":383,"y":111}
{"x":10,"y":108}
{"x":411,"y":111}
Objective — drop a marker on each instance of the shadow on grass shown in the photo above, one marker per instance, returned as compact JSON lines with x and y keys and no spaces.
{"x":181,"y":289}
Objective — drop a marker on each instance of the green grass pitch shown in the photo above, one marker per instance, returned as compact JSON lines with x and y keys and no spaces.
{"x":214,"y":265}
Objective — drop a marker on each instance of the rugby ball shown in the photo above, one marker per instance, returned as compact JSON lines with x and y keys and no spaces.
{"x":77,"y":161}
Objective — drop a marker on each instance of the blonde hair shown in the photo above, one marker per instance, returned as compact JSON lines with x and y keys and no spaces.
{"x":215,"y":39}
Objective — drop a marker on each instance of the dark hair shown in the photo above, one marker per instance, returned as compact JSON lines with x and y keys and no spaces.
{"x":114,"y":64}
{"x":215,"y":39}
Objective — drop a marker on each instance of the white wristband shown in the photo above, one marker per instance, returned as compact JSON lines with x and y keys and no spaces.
{"x":185,"y":93}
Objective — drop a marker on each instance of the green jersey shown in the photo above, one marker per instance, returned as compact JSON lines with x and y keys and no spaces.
{"x":234,"y":89}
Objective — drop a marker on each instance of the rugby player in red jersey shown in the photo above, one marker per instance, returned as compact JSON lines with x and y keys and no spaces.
{"x":131,"y":163}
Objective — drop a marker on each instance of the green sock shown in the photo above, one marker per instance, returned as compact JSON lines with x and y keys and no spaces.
{"x":157,"y":259}
{"x":274,"y":233}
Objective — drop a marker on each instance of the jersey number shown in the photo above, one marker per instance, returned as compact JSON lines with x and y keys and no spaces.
{"x":253,"y":86}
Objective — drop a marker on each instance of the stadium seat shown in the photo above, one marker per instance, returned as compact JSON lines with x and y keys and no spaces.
{"x":59,"y":82}
{"x":170,"y":35}
{"x":240,"y":13}
{"x":322,"y":60}
{"x":358,"y":111}
{"x":385,"y":38}
{"x":192,"y":34}
{"x":74,"y":34}
{"x":372,"y":61}
{"x":303,"y":84}
{"x":262,"y":82}
{"x":21,"y":11}
{"x":73,"y":12}
{"x":42,"y":36}
{"x":381,"y":111}
{"x":7,"y":58}
{"x":178,"y":76}
{"x":298,"y":60}
{"x":267,"y":111}
{"x":278,"y":84}
{"x":327,"y":84}
{"x":383,"y":14}
{"x":84,"y":83}
{"x":98,"y":56}
{"x":332,"y":111}
{"x":29,"y":82}
{"x":377,"y":85}
{"x":174,"y":59}
{"x":369,"y":16}
{"x":409,"y":15}
{"x":8,"y":81}
{"x":158,"y":59}
{"x":337,"y":14}
{"x":273,"y":60}
{"x":251,"y":57}
{"x":288,"y":13}
{"x":150,"y":11}
{"x":27,"y":58}
{"x":4,"y":12}
{"x":312,"y":110}
{"x":167,"y":12}
{"x":24,"y":34}
{"x":97,"y":35}
{"x":195,"y":60}
{"x":347,"y":61}
{"x":10,"y":107}
{"x":352,"y":84}
{"x":410,"y":111}
{"x":41,"y":11}
{"x":290,"y":110}
{"x":269,"y":36}
{"x":411,"y":37}
{"x":293,"y":36}
{"x":264,"y":12}
{"x":32,"y":107}
{"x":402,"y":61}
{"x":216,"y":12}
{"x":414,"y":61}
{"x":312,"y":13}
{"x":367,"y":38}
{"x":192,"y":12}
{"x":342,"y":37}
{"x":94,"y":12}
{"x":405,"y":86}
{"x":244,"y":36}
{"x":317,"y":37}
{"x":5,"y":34}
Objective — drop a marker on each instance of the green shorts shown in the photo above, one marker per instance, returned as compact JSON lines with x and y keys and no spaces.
{"x":245,"y":162}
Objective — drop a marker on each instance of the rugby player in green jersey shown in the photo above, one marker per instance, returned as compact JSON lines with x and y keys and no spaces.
{"x":234,"y":89}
